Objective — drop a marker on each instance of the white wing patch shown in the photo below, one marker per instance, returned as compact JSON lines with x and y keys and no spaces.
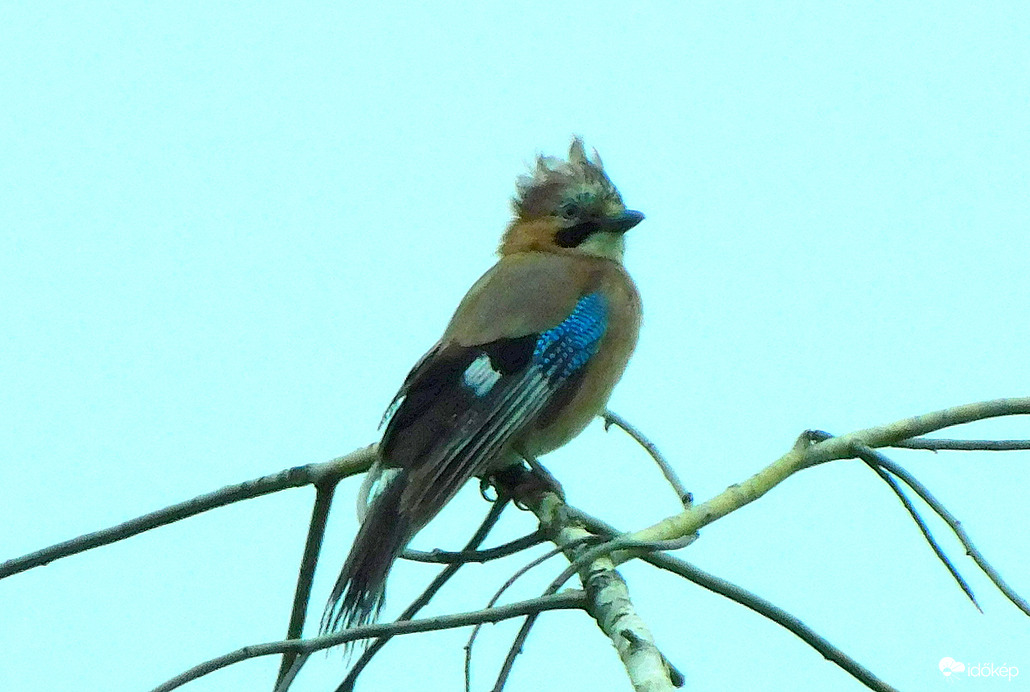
{"x":373,"y":486}
{"x":480,"y":375}
{"x":391,"y":409}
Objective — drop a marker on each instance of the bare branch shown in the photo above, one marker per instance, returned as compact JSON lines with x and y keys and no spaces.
{"x":496,"y":597}
{"x":445,"y":574}
{"x":308,"y":562}
{"x":806,"y":452}
{"x":486,"y":555}
{"x":610,"y":605}
{"x":749,"y":600}
{"x":924,"y":529}
{"x":310,"y":474}
{"x":283,"y":684}
{"x":582,"y":561}
{"x":871,"y":456}
{"x":771,"y":611}
{"x":611,"y":418}
{"x":939,"y":444}
{"x":887,"y":435}
{"x":567,"y":600}
{"x":804,"y":455}
{"x":648,"y":668}
{"x":956,"y":527}
{"x":873,"y":460}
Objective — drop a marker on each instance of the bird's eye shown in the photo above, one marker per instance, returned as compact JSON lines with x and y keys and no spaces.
{"x":570,"y":210}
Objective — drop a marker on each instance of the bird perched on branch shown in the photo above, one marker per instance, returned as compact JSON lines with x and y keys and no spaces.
{"x":529,"y":358}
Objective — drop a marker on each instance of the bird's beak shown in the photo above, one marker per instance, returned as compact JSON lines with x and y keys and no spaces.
{"x":622,"y":222}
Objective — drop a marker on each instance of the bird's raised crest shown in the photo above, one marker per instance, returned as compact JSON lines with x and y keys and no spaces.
{"x":552,"y":178}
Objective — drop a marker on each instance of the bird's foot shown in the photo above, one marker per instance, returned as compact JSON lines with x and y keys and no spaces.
{"x":525,"y":486}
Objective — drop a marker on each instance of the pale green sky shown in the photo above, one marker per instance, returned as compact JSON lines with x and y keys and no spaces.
{"x":227,"y":231}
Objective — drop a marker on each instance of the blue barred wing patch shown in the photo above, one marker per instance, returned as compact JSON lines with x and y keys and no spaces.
{"x":561,"y":351}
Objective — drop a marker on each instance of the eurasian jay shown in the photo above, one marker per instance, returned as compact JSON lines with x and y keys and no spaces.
{"x":529,"y":358}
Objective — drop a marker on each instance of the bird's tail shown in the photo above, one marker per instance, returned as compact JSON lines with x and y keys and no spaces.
{"x":360,"y":589}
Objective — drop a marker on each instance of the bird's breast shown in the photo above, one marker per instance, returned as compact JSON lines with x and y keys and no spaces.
{"x":586,"y":396}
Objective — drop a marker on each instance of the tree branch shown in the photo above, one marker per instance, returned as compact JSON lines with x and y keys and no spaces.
{"x":750,"y":600}
{"x":485,"y":555}
{"x":610,"y":605}
{"x":567,"y":600}
{"x":806,"y":452}
{"x":298,"y":476}
{"x":804,"y":455}
{"x":940,"y":444}
{"x":955,"y":525}
{"x":439,"y":580}
{"x":874,"y":460}
{"x":611,"y":418}
{"x":496,"y":597}
{"x":308,"y":562}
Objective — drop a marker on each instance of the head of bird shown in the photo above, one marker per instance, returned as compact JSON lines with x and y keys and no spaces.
{"x":569,"y":207}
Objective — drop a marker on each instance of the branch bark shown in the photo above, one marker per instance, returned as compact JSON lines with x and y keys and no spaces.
{"x":804,"y":455}
{"x":609,"y":601}
{"x":568,"y":600}
{"x":296,"y":477}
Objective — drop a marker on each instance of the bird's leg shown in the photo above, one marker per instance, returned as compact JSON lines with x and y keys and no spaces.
{"x":524,"y":485}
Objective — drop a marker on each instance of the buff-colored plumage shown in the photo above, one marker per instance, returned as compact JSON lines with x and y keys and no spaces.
{"x":530,"y":292}
{"x":529,"y":358}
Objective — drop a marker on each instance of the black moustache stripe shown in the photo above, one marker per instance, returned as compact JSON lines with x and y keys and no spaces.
{"x":574,"y":235}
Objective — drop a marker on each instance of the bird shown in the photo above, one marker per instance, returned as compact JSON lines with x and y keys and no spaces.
{"x":529,"y":358}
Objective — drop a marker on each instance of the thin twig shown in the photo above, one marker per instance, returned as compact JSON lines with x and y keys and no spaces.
{"x":772,"y":612}
{"x":497,"y":595}
{"x":566,"y":600}
{"x":608,"y":547}
{"x":579,"y":563}
{"x":611,"y":418}
{"x":956,"y":527}
{"x":887,"y":435}
{"x":924,"y":529}
{"x":306,"y":576}
{"x":935,"y":445}
{"x":298,"y":476}
{"x":611,"y":606}
{"x":872,"y":459}
{"x":746,"y":598}
{"x":504,"y":550}
{"x":805,"y":455}
{"x":477,"y":538}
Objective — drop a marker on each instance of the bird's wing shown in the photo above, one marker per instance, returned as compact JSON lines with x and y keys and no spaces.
{"x":463,"y":403}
